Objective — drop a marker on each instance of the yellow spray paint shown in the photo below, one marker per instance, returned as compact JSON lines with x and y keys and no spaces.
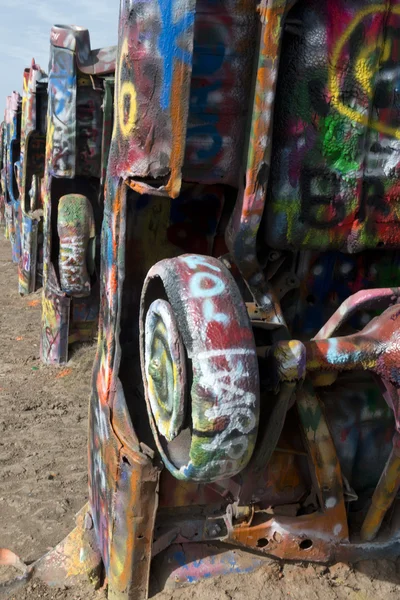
{"x":363,"y":72}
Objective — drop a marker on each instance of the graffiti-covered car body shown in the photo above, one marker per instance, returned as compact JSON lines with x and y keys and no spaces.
{"x":2,"y":171}
{"x":30,"y":175}
{"x":12,"y":205}
{"x":246,"y":383}
{"x":80,"y":97}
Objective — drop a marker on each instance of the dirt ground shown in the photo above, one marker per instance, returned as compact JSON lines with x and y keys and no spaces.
{"x":43,"y":473}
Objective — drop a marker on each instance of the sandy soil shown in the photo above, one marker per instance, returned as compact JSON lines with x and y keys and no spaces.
{"x":43,"y":479}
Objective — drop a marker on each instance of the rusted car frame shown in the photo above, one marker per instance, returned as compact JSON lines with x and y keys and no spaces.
{"x":78,"y":130}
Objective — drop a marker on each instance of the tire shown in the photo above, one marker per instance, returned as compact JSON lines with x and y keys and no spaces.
{"x":200,"y":368}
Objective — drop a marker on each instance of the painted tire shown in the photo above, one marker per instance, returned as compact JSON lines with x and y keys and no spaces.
{"x":75,"y":225}
{"x":199,"y":367}
{"x":165,"y":365}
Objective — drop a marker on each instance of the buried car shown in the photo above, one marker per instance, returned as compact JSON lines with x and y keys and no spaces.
{"x":30,"y":174}
{"x":2,"y":172}
{"x":80,"y":105}
{"x":11,"y":154}
{"x":247,"y":368}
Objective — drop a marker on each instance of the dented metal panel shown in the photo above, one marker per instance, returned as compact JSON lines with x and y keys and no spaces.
{"x":91,"y":62}
{"x":153,"y":79}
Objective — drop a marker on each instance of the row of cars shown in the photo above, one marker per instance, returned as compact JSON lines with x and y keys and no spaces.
{"x":242,"y":163}
{"x":55,"y":140}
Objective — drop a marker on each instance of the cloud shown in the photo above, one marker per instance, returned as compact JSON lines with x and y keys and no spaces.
{"x":25,"y":32}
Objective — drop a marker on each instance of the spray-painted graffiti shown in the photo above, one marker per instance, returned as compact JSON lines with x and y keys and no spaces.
{"x":3,"y":147}
{"x":76,"y":228}
{"x":241,"y":417}
{"x":89,"y":124}
{"x":223,"y":364}
{"x":161,"y":60}
{"x":173,"y":26}
{"x":338,"y":131}
{"x":77,"y":145}
{"x":205,"y":285}
{"x":30,"y":169}
{"x":331,"y":277}
{"x":62,"y":112}
{"x":12,"y":119}
{"x":322,"y":124}
{"x":218,"y":103}
{"x":55,"y":315}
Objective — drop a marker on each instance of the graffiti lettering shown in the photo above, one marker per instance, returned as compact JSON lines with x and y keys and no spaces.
{"x":200,"y":285}
{"x":126,"y":97}
{"x":206,"y":285}
{"x":210,"y":314}
{"x":127,"y":108}
{"x":334,"y":81}
{"x":321,"y":203}
{"x":226,"y":383}
{"x":196,"y":261}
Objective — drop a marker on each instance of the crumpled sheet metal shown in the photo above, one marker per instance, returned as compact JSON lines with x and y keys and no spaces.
{"x":91,"y":62}
{"x":181,"y":113}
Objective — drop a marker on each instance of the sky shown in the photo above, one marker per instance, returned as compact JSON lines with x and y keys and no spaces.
{"x":25,"y":33}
